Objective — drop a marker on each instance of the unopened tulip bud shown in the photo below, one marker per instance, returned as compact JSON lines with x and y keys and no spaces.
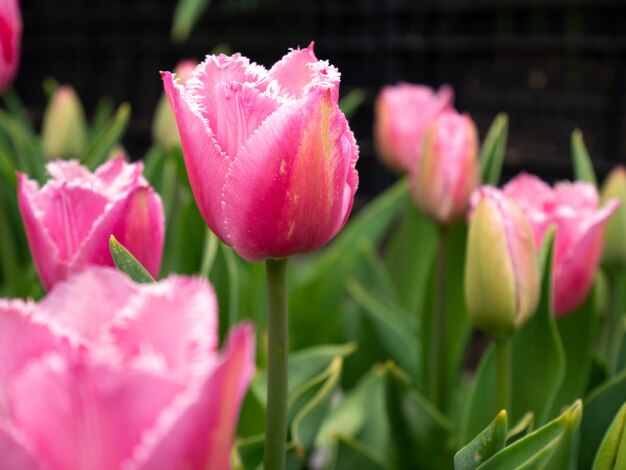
{"x":164,"y":129}
{"x":402,"y":114}
{"x":448,"y":172}
{"x":615,"y":230}
{"x":501,"y":270}
{"x":64,"y":128}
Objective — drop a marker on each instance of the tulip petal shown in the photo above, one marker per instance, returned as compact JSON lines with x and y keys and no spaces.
{"x":92,"y":415}
{"x":299,"y":72}
{"x":202,"y":87}
{"x":88,"y":301}
{"x":532,"y":195}
{"x":578,"y":251}
{"x":289,"y":184}
{"x":22,"y":339}
{"x":206,"y":163}
{"x":173,"y":322}
{"x":144,"y":229}
{"x":45,"y":254}
{"x":241,"y":108}
{"x":196,"y":432}
{"x":15,"y":452}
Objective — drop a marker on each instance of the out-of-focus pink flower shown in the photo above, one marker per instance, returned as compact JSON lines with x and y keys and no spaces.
{"x":447,"y":173}
{"x":69,"y":220}
{"x":402,"y":114}
{"x":10,"y":41}
{"x":270,"y":157}
{"x":573,"y":209}
{"x":501,"y":270}
{"x":108,"y":374}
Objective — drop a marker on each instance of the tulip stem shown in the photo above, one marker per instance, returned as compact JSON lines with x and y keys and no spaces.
{"x":503,"y":358}
{"x":437,"y":356}
{"x":277,"y":348}
{"x":614,"y":331}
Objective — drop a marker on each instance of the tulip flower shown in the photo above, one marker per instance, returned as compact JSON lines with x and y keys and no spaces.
{"x":447,"y":173}
{"x":64,"y":128}
{"x":270,"y":157}
{"x":501,"y":270}
{"x":108,"y":374}
{"x":402,"y":114}
{"x":10,"y":39}
{"x":164,"y":131}
{"x":573,"y":209}
{"x":69,"y":220}
{"x":614,"y":255}
{"x":271,"y":162}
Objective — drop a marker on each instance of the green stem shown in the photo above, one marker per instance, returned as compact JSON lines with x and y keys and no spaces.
{"x":503,"y":358}
{"x":437,"y":353}
{"x":276,"y":423}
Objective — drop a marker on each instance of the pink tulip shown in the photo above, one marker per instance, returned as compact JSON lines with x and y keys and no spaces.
{"x":402,"y":115}
{"x":108,"y":374}
{"x":573,"y":209}
{"x":501,"y":270}
{"x":448,"y":172}
{"x":69,"y":221}
{"x":270,"y":156}
{"x":10,"y":38}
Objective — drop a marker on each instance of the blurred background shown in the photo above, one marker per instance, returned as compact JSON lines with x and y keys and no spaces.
{"x":551,"y":65}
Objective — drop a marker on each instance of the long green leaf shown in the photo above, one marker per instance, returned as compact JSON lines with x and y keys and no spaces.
{"x":482,"y":447}
{"x":186,"y":15}
{"x":601,"y":406}
{"x":493,"y":150}
{"x":583,"y":167}
{"x":107,"y":138}
{"x":536,"y":449}
{"x":126,"y":262}
{"x":352,"y":453}
{"x":612,"y":451}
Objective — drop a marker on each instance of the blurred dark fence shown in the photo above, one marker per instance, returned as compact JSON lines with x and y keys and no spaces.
{"x":552,"y":65}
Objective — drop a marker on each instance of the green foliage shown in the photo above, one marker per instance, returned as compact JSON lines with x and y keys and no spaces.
{"x":583,"y":168}
{"x":126,"y":262}
{"x":493,"y":150}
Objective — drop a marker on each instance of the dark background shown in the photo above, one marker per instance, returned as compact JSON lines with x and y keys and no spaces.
{"x":552,"y":65}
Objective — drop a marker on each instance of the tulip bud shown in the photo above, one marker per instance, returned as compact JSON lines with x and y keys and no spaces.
{"x":64,"y":128}
{"x":501,"y":270}
{"x":10,"y":39}
{"x":402,"y":115}
{"x":614,"y":187}
{"x":164,"y":130}
{"x":447,"y":173}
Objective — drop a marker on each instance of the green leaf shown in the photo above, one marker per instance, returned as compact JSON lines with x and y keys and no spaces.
{"x":583,"y":167}
{"x":493,"y":149}
{"x":482,"y":447}
{"x":307,"y":422}
{"x":186,"y":15}
{"x":577,"y":331}
{"x":102,"y":115}
{"x":612,"y":451}
{"x":107,"y":138}
{"x":303,"y":366}
{"x":409,"y":255}
{"x":127,"y":263}
{"x":352,"y":453}
{"x":522,"y":428}
{"x":537,"y":363}
{"x":536,"y":449}
{"x":397,"y":335}
{"x":26,"y":151}
{"x":457,"y":319}
{"x":350,"y":103}
{"x":422,"y":436}
{"x":602,"y":404}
